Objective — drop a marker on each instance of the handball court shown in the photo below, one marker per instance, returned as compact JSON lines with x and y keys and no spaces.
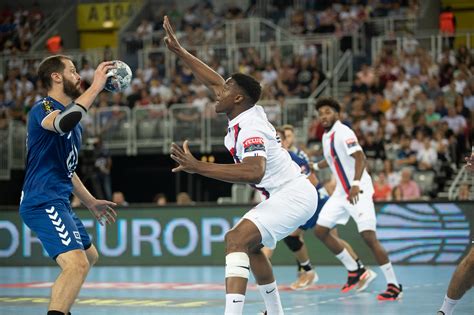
{"x":200,"y":290}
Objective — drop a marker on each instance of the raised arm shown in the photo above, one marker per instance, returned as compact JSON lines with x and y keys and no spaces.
{"x":203,"y":72}
{"x":65,"y":120}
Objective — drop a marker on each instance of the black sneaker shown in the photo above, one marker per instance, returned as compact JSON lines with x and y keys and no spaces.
{"x":392,"y":293}
{"x":353,"y":279}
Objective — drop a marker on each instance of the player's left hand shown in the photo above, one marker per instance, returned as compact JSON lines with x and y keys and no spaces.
{"x":183,"y":156}
{"x":103,"y":211}
{"x":354,"y":195}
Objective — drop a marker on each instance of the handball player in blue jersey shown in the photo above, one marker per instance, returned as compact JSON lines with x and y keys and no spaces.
{"x":53,"y":143}
{"x":295,"y":241}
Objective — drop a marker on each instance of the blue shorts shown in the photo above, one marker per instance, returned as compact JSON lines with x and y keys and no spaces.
{"x":311,"y":223}
{"x":57,"y":227}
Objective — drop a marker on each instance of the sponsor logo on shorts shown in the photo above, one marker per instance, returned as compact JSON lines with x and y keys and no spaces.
{"x":59,"y":226}
{"x":78,"y":237}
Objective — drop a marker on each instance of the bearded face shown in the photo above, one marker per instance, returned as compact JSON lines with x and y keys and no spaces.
{"x":71,"y":89}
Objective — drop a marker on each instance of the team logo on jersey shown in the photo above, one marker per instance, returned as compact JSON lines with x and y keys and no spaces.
{"x":254,"y":144}
{"x":47,"y":106}
{"x":351,"y":142}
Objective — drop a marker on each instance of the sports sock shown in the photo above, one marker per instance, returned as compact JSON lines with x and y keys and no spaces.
{"x":234,"y":304}
{"x":347,"y":260}
{"x":55,"y":313}
{"x":448,"y":305}
{"x":359,"y":263}
{"x":389,"y":273}
{"x":306,"y":266}
{"x":271,"y":297}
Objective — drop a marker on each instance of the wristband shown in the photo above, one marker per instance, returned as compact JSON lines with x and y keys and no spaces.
{"x":356,"y":183}
{"x":316,"y":167}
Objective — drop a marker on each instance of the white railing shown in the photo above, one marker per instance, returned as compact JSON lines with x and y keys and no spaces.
{"x":453,"y":191}
{"x":395,"y":24}
{"x":152,"y":128}
{"x":432,"y":41}
{"x":344,"y":66}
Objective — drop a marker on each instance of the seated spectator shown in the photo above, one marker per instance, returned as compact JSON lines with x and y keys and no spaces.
{"x":464,"y":191}
{"x":409,"y":188}
{"x":405,"y":155}
{"x":431,"y":116}
{"x":366,"y":75}
{"x":160,"y":199}
{"x":373,"y":149}
{"x":392,"y":176}
{"x":382,"y":189}
{"x":456,"y":122}
{"x":119,"y":198}
{"x":397,"y":194}
{"x":369,"y":125}
{"x":426,"y":156}
{"x":359,"y":86}
{"x":183,"y":199}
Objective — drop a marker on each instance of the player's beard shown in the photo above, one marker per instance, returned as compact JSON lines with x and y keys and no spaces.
{"x":71,"y":89}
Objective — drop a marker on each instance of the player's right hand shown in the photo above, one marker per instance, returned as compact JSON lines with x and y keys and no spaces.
{"x":101,"y":74}
{"x":170,"y":39}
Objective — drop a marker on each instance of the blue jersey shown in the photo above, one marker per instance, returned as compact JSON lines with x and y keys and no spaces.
{"x":302,"y":160}
{"x":51,"y":159}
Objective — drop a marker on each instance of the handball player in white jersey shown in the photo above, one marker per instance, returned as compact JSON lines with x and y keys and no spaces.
{"x":351,"y":198}
{"x":259,"y":161}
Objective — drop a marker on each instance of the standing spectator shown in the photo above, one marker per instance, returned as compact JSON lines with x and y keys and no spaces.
{"x":447,"y":25}
{"x":409,"y":188}
{"x":103,"y":167}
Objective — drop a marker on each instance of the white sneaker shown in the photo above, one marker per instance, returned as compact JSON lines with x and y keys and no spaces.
{"x":304,"y":280}
{"x":365,"y":282}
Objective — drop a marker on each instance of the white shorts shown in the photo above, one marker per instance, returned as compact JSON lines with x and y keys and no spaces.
{"x":338,"y":210}
{"x":286,"y":209}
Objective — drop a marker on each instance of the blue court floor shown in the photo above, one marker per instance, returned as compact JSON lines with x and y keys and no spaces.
{"x":200,"y":290}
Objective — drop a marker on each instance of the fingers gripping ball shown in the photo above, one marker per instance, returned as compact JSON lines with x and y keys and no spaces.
{"x":119,"y":78}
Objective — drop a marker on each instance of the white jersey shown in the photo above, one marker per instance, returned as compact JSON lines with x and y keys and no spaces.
{"x":251,"y":134}
{"x":338,"y":145}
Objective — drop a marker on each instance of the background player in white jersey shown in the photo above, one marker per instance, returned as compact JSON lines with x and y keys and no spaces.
{"x":463,"y":277}
{"x":260,"y":161}
{"x":351,"y":198}
{"x":295,"y":241}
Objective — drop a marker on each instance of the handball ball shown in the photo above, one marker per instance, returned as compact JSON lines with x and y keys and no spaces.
{"x":119,"y":78}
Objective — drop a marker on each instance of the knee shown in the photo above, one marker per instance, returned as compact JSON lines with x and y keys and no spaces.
{"x":93,"y":258}
{"x":233,"y":241}
{"x":294,"y":243}
{"x":321,"y":232}
{"x":369,"y":238}
{"x":79,"y":267}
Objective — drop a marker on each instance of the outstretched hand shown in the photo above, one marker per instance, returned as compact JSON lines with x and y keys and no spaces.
{"x":170,"y":39}
{"x":103,"y":211}
{"x":183,"y":156}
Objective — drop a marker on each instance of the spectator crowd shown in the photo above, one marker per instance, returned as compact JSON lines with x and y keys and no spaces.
{"x":412,"y":112}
